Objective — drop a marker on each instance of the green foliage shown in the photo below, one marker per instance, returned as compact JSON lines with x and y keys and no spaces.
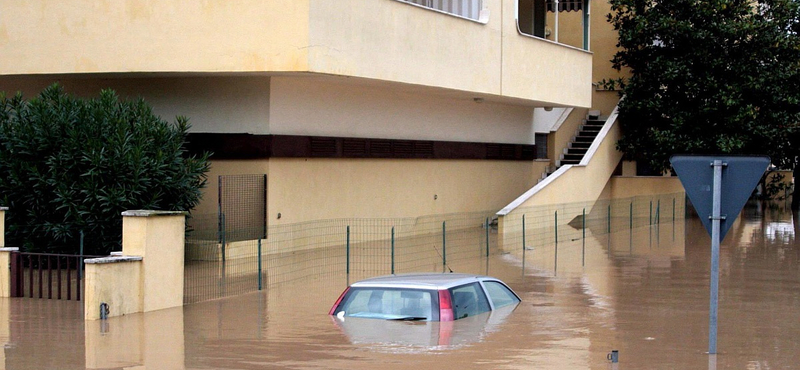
{"x":69,"y":165}
{"x":708,"y":77}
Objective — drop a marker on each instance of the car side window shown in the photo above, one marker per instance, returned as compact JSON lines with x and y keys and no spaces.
{"x":500,"y":294}
{"x":468,"y":300}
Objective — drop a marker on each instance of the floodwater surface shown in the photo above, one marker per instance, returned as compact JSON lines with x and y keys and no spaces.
{"x":643,"y":292}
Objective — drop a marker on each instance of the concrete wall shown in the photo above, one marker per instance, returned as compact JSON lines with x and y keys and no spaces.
{"x":308,"y":105}
{"x":381,"y":40}
{"x":212,"y":103}
{"x":148,"y":276}
{"x":627,"y":187}
{"x":117,"y":284}
{"x":344,"y":107}
{"x":318,"y":189}
{"x":88,"y":36}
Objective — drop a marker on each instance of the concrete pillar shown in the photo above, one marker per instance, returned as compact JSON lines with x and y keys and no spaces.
{"x":5,"y":257}
{"x":147,"y":275}
{"x":158,"y":237}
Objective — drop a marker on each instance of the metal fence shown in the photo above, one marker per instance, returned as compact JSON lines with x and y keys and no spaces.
{"x":550,"y":225}
{"x":345,"y":250}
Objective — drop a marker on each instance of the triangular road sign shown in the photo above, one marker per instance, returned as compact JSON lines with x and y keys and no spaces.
{"x":740,"y":176}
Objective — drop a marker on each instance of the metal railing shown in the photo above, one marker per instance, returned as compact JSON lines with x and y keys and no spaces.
{"x":46,"y":275}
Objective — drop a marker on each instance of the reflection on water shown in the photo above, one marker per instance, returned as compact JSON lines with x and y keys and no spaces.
{"x":643,"y":292}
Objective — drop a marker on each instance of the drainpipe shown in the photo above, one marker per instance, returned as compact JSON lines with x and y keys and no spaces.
{"x":586,"y":24}
{"x":555,"y":31}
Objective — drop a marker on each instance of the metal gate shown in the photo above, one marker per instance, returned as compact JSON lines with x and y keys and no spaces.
{"x":47,"y":276}
{"x":242,"y":207}
{"x":223,"y":249}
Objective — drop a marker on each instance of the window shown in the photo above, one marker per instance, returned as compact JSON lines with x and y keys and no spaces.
{"x":532,"y":16}
{"x":382,"y":303}
{"x":500,"y":294}
{"x":464,"y":8}
{"x":468,"y":300}
{"x":548,"y":19}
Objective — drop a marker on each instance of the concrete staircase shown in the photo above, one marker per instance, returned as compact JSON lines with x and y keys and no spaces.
{"x":580,"y":143}
{"x":575,"y":151}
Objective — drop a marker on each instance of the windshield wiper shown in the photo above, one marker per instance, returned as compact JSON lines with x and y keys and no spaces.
{"x":410,"y":318}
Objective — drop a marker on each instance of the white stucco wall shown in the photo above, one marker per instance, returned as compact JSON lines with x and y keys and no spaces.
{"x":212,"y":103}
{"x":341,"y":107}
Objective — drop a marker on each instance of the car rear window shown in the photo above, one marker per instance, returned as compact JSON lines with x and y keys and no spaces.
{"x":500,"y":294}
{"x":390,"y":303}
{"x":468,"y":300}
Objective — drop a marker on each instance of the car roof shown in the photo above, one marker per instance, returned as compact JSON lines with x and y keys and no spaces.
{"x":422,"y":280}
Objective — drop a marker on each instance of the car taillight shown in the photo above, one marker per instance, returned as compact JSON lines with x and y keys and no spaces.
{"x":335,"y":305}
{"x":445,"y":306}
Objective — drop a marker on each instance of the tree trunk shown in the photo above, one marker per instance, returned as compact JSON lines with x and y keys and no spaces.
{"x":796,"y":193}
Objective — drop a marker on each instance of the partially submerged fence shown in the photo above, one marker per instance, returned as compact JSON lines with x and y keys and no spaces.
{"x":346,"y":250}
{"x":550,"y":225}
{"x":47,"y":275}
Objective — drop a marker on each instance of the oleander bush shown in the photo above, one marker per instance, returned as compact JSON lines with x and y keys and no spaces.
{"x":70,"y":165}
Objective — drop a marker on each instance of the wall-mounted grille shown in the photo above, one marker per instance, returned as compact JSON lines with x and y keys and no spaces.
{"x":323,"y":147}
{"x":247,"y":146}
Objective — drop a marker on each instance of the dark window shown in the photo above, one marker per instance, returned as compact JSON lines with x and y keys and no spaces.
{"x":468,"y":300}
{"x":541,"y":146}
{"x":532,"y":15}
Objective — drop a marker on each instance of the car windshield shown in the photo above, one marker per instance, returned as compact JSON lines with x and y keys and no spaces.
{"x":390,"y":304}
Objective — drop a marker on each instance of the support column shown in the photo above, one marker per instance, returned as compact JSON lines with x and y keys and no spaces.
{"x":147,"y":275}
{"x":5,"y":257}
{"x":158,"y":237}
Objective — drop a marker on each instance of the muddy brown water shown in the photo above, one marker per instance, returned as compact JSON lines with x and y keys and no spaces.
{"x":642,"y":292}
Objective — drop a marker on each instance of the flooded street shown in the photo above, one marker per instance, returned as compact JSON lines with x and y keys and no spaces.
{"x":643,"y":292}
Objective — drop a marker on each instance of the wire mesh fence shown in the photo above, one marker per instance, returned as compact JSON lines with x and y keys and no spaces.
{"x":554,"y":225}
{"x":347,"y":250}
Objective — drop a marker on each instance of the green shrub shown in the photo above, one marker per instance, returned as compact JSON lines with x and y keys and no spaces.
{"x":69,"y":165}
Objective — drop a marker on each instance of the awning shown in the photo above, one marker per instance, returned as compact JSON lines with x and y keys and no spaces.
{"x":565,"y":5}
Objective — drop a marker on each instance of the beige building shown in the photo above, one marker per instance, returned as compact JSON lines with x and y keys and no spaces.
{"x":347,"y":108}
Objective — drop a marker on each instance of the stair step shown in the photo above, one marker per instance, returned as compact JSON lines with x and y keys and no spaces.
{"x":581,"y":145}
{"x":576,"y":151}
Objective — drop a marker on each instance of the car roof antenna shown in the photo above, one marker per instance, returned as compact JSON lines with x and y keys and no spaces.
{"x":445,"y":263}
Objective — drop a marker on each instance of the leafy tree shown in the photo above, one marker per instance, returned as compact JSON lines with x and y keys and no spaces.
{"x":69,"y":165}
{"x":708,"y":77}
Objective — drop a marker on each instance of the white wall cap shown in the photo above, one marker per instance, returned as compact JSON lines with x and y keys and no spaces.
{"x":150,"y":213}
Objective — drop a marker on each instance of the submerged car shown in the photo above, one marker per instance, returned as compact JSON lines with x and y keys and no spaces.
{"x":428,"y":297}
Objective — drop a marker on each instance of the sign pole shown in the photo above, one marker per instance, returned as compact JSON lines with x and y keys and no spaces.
{"x":718,"y":202}
{"x":716,"y":218}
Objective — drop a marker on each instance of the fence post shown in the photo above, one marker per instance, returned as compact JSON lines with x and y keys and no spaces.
{"x":444,"y":245}
{"x":583,"y":242}
{"x":555,"y":263}
{"x":80,"y":262}
{"x":658,"y":212}
{"x":347,"y":254}
{"x":222,"y":235}
{"x":487,"y":236}
{"x":523,"y":241}
{"x":259,"y":264}
{"x":392,"y":250}
{"x":631,"y":212}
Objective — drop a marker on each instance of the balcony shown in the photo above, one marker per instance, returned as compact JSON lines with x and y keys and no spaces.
{"x":437,"y":43}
